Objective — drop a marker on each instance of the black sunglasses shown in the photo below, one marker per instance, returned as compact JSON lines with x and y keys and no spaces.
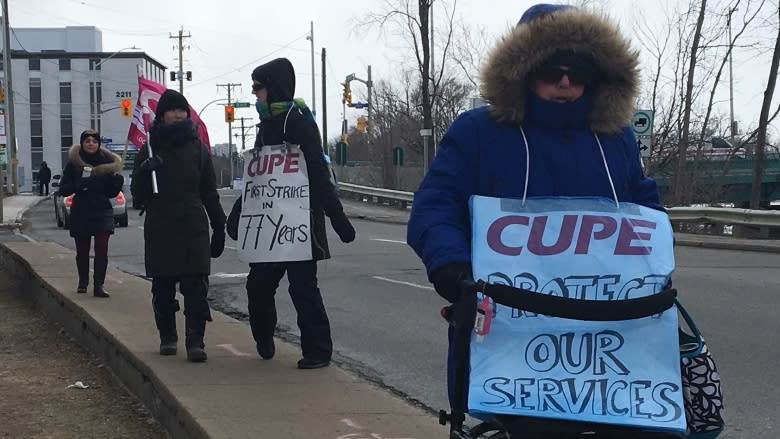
{"x":554,"y":74}
{"x":257,"y":87}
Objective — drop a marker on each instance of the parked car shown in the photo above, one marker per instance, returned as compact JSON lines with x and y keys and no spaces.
{"x":62,"y":206}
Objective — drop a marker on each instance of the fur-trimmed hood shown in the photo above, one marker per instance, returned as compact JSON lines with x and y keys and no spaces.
{"x":113,"y":163}
{"x":504,"y":76}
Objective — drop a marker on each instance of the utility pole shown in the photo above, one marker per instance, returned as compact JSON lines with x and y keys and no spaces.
{"x":243,"y":132}
{"x":9,"y":99}
{"x":180,"y":73}
{"x":243,"y":136}
{"x":310,"y":37}
{"x":229,"y":87}
{"x":324,"y":107}
{"x":731,"y":78}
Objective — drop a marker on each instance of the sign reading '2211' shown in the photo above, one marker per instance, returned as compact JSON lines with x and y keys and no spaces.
{"x":274,"y":225}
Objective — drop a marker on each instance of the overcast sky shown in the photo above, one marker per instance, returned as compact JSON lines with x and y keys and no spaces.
{"x":230,"y":37}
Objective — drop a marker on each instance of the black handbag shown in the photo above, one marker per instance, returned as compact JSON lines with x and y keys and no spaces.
{"x":701,"y":383}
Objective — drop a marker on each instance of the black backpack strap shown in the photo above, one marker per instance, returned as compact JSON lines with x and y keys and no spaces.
{"x":581,"y":309}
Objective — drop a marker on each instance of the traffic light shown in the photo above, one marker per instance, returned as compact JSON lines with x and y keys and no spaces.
{"x":361,"y":124}
{"x":189,"y":76}
{"x":230,"y":113}
{"x":126,"y":108}
{"x":347,"y":97}
{"x":173,"y":76}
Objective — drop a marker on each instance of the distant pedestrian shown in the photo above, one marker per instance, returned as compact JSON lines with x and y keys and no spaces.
{"x":176,"y":229}
{"x":92,"y":175}
{"x":285,"y":120}
{"x":44,"y":177}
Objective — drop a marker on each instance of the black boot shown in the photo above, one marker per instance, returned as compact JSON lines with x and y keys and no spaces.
{"x":195,"y":329}
{"x":166,"y":324}
{"x":101,"y":264}
{"x":82,"y":265}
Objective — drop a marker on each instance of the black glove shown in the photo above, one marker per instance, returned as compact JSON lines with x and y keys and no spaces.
{"x":342,"y":226}
{"x":217,"y":242}
{"x":446,"y":279}
{"x":151,"y":163}
{"x":118,"y":181}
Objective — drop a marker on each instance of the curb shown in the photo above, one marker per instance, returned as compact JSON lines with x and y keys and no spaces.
{"x":130,"y":370}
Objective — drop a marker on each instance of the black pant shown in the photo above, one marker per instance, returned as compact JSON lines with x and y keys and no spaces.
{"x":40,"y":188}
{"x":194,"y":288}
{"x":261,"y":285}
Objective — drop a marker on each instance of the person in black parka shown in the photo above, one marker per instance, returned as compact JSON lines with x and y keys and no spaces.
{"x":44,"y":177}
{"x":92,"y":176}
{"x":176,"y":229}
{"x":284,"y":119}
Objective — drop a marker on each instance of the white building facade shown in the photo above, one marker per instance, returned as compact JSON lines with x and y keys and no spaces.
{"x":63,"y":84}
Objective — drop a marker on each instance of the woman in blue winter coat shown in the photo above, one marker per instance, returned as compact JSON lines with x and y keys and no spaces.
{"x":561,"y":87}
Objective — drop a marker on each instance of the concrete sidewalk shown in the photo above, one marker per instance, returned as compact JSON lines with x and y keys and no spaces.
{"x":235,"y":394}
{"x":14,"y":207}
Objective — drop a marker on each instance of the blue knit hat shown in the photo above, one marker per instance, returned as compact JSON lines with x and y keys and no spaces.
{"x":541,"y":10}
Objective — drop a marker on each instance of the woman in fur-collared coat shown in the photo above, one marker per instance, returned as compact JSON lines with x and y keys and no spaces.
{"x":92,"y":175}
{"x":561,"y":87}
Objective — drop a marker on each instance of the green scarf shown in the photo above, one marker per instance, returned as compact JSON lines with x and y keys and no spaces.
{"x":265,"y":111}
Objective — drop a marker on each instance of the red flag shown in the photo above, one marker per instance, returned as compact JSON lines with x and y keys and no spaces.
{"x":148,"y":94}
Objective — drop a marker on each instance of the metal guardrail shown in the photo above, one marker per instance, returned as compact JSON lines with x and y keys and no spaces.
{"x":726,"y":215}
{"x":377,"y":195}
{"x":764,"y":219}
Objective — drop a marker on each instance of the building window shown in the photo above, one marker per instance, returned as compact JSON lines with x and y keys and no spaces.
{"x":66,"y":108}
{"x":64,"y":63}
{"x":66,"y":126}
{"x":95,"y":102}
{"x":35,"y":110}
{"x":36,"y":123}
{"x":35,"y":90}
{"x":94,"y":64}
{"x":35,"y":63}
{"x":66,"y":133}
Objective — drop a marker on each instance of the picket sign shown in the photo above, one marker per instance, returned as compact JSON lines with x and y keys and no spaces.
{"x":626,"y":372}
{"x":274,"y":225}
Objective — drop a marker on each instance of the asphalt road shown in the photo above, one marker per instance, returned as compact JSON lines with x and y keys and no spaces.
{"x":386,"y":325}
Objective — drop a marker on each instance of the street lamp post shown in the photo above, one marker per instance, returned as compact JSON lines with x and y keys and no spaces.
{"x":95,"y":102}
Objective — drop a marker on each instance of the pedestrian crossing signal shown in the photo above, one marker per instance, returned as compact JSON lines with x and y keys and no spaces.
{"x":126,"y":108}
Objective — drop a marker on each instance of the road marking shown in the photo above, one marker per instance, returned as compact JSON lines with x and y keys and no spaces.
{"x":389,"y":240}
{"x":409,"y":284}
{"x":350,"y":423}
{"x":18,"y":233}
{"x":229,"y":275}
{"x":231,"y":247}
{"x":141,"y":227}
{"x":230,"y":348}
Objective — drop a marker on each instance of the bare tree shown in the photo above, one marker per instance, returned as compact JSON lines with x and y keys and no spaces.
{"x":755,"y":192}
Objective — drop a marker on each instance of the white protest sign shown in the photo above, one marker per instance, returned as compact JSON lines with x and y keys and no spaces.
{"x":614,"y":372}
{"x":274,"y":225}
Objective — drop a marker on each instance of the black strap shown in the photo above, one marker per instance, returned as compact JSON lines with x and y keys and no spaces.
{"x":581,"y":309}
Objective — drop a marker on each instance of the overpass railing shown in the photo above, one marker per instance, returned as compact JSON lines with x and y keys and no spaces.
{"x":744,"y":223}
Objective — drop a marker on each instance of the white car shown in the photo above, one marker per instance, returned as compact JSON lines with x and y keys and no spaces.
{"x":62,"y":206}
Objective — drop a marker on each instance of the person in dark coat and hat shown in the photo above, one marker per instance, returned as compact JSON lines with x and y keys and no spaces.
{"x":176,"y":228}
{"x":44,"y":177}
{"x":284,"y":119}
{"x":92,"y":176}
